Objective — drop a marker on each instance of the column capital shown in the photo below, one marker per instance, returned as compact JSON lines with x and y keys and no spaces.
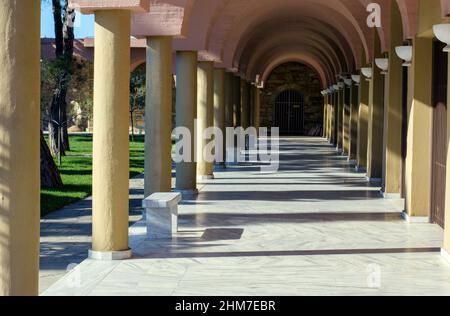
{"x":90,"y":6}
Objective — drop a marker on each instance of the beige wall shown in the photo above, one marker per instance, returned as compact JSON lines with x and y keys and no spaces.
{"x":418,"y":162}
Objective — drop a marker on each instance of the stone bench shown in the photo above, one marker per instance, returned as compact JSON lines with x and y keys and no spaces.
{"x":161,"y":210}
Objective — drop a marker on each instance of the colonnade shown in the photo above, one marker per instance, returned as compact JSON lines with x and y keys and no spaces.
{"x":211,"y":96}
{"x":389,"y":122}
{"x":362,"y":119}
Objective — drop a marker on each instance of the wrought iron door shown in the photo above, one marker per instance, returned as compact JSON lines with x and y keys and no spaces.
{"x":289,"y":113}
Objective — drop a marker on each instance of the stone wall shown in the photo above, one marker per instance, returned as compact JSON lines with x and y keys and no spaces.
{"x":298,"y":77}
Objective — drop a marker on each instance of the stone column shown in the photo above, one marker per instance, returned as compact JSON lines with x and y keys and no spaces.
{"x":245,"y":104}
{"x":333,"y":118}
{"x":376,"y":119}
{"x":363,"y":115}
{"x":336,"y":119}
{"x":393,"y":171}
{"x":186,"y":109}
{"x":236,"y":101}
{"x":346,"y":124}
{"x":329,"y":115}
{"x":205,"y":116}
{"x":19,"y":147}
{"x":219,"y":107}
{"x":325,"y":113}
{"x":110,"y":181}
{"x":340,"y":119}
{"x":353,"y":130}
{"x":418,"y":157}
{"x":257,"y":109}
{"x":229,"y":100}
{"x":158,"y":118}
{"x":252,"y":104}
{"x":446,"y":248}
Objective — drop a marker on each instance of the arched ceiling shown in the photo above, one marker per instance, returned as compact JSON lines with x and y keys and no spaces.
{"x":332,"y":36}
{"x":279,"y":35}
{"x":252,"y":36}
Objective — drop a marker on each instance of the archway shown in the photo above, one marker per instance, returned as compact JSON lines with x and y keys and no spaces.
{"x":291,"y":100}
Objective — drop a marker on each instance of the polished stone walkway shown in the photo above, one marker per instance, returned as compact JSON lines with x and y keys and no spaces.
{"x":66,"y":235}
{"x":315,"y":227}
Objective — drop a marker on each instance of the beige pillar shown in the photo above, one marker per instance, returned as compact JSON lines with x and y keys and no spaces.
{"x":346,"y":124}
{"x":158,"y":121}
{"x":252,"y":104}
{"x":363,"y":116}
{"x":186,"y":113}
{"x":353,"y":129}
{"x":219,"y":105}
{"x":330,"y":116}
{"x":205,"y":115}
{"x":446,"y":249}
{"x":111,"y":135}
{"x":229,"y":100}
{"x":237,"y":101}
{"x":245,"y":104}
{"x":376,"y":119}
{"x":394,"y":118}
{"x":334,"y":120}
{"x":19,"y":148}
{"x":325,"y":116}
{"x":340,"y":117}
{"x":257,"y":109}
{"x":418,"y":159}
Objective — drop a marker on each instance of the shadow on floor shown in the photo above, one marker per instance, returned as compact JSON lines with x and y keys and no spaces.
{"x":288,"y":253}
{"x":233,"y":219}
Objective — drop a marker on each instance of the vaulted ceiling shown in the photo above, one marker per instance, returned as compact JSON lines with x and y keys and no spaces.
{"x":252,"y":37}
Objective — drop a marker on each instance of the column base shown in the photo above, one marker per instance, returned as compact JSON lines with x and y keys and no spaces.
{"x":110,"y":255}
{"x":415,"y":219}
{"x":221,"y":165}
{"x":187,"y":194}
{"x":360,"y":169}
{"x":445,"y":254}
{"x":374,"y":180}
{"x":391,"y":196}
{"x":208,"y":177}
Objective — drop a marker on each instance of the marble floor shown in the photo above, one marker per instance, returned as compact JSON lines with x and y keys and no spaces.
{"x":316,"y":227}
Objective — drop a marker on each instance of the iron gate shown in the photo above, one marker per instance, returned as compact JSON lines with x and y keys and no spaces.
{"x":289,"y":113}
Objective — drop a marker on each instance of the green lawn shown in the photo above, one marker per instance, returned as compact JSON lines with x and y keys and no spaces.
{"x":76,"y":172}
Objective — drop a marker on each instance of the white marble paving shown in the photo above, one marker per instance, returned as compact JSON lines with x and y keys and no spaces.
{"x":314,"y":228}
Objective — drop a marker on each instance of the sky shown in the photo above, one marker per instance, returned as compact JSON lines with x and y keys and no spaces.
{"x":83,"y":28}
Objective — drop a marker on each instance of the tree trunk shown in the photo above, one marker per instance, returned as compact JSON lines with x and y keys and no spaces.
{"x":65,"y":135}
{"x":68,"y":30}
{"x":59,"y":44}
{"x":64,"y":19}
{"x":132,"y":126}
{"x":50,"y":177}
{"x":57,"y":118}
{"x":68,"y":38}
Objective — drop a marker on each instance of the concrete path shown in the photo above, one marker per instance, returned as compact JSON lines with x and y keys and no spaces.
{"x":315,"y":227}
{"x":66,"y":235}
